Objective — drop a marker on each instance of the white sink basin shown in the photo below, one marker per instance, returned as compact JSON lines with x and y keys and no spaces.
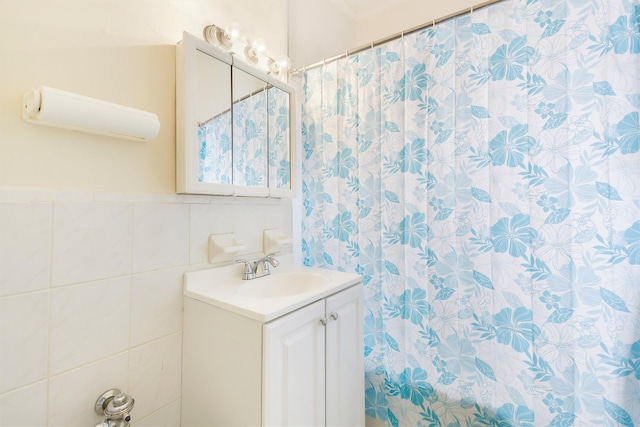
{"x":282,"y":285}
{"x":288,"y":288}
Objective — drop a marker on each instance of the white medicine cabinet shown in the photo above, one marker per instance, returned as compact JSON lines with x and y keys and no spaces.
{"x":233,"y":125}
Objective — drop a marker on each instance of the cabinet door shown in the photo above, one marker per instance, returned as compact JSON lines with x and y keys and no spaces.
{"x":345,"y":358}
{"x":293,"y":369}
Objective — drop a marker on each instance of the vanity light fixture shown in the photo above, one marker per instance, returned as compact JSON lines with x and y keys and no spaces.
{"x":234,"y":30}
{"x":280,"y":64}
{"x":254,"y":50}
{"x":223,"y":38}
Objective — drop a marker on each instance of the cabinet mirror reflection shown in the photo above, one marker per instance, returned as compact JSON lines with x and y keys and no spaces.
{"x":279,"y":138}
{"x":234,"y":125}
{"x":214,"y":120}
{"x":250,"y":129}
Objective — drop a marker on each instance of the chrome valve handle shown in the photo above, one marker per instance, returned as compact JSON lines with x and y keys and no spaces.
{"x":249,"y":273}
{"x":116,"y":407}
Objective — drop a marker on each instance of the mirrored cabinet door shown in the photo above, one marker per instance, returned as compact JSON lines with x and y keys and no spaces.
{"x":204,"y":154}
{"x":250,"y":134}
{"x":214,"y":120}
{"x":233,"y":125}
{"x":279,"y":113}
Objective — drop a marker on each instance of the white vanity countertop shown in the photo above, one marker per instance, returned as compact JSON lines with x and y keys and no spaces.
{"x":223,"y":287}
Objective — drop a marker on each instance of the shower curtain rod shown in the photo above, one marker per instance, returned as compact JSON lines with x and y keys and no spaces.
{"x":393,"y":37}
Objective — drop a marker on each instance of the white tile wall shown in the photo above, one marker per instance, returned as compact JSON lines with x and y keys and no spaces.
{"x":91,"y":296}
{"x":89,"y":322}
{"x":160,"y":236}
{"x":242,"y":220}
{"x":156,"y":305}
{"x":72,"y":395}
{"x":25,"y":247}
{"x":23,"y":340}
{"x":155,"y":374}
{"x":91,"y":241}
{"x":25,"y":407}
{"x":168,"y":416}
{"x":206,"y":220}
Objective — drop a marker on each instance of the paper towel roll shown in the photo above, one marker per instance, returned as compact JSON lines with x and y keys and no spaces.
{"x":54,"y":107}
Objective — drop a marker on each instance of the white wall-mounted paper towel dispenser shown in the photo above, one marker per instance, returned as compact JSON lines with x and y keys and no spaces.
{"x":54,"y":107}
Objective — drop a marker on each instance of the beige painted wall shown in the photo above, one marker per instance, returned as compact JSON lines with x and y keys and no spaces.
{"x":386,"y":20}
{"x":319,"y":29}
{"x":121,"y":51}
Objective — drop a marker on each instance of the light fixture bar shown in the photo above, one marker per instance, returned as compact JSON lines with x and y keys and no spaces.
{"x":232,"y":40}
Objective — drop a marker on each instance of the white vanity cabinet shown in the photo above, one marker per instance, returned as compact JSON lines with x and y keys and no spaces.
{"x":305,"y":368}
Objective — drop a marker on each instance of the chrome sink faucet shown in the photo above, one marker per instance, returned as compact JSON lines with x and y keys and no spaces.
{"x":250,"y":269}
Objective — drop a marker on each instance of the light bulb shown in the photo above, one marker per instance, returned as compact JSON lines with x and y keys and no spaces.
{"x":253,"y":51}
{"x":259,"y":45}
{"x":234,"y":30}
{"x":280,"y":64}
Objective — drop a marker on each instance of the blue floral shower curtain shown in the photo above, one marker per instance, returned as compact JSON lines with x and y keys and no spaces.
{"x":483,"y":176}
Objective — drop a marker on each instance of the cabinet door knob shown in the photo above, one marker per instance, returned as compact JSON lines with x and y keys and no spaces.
{"x":323,"y":321}
{"x":334,"y":315}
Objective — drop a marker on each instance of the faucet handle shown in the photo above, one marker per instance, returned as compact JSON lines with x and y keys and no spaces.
{"x":271,"y":259}
{"x":266,"y":260}
{"x":119,"y":407}
{"x":265,"y":267}
{"x":248,"y":273}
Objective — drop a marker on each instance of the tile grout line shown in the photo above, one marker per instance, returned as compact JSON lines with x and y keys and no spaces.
{"x":162,"y":408}
{"x":102,"y":359}
{"x":131,"y":231}
{"x":49,"y":317}
{"x":86,"y":364}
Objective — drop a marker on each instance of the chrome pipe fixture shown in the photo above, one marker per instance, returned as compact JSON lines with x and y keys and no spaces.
{"x":116,"y":406}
